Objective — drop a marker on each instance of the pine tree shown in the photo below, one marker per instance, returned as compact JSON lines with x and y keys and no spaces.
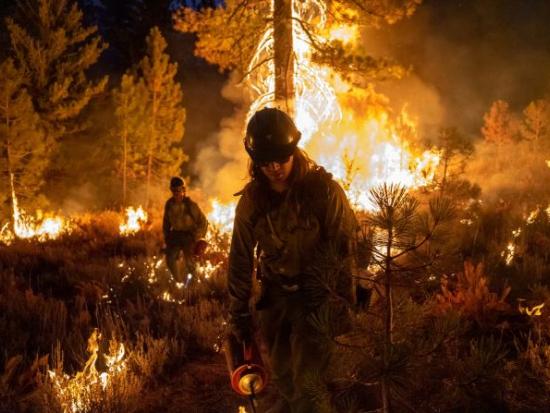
{"x":402,"y":235}
{"x":536,"y":122}
{"x":500,"y":126}
{"x":456,"y":149}
{"x":164,"y":114}
{"x":130,"y":101}
{"x":55,"y":51}
{"x":244,"y":23}
{"x":23,"y":152}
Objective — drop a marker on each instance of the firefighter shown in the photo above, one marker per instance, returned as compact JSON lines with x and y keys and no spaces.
{"x":184,"y":224}
{"x":295,"y":223}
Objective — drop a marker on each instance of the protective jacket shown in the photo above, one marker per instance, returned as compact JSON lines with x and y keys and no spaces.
{"x":183,"y":217}
{"x":302,"y":237}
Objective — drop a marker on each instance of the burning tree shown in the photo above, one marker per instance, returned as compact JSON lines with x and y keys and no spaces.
{"x":282,"y":27}
{"x":22,"y":140}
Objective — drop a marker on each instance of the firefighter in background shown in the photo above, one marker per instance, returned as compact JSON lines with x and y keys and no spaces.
{"x":298,"y":222}
{"x":184,"y":224}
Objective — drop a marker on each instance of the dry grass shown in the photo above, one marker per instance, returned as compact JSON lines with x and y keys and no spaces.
{"x":466,"y":347}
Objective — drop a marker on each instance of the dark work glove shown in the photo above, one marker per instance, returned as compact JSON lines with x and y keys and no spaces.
{"x":241,"y":326}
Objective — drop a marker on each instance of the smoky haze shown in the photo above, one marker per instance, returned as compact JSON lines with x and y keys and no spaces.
{"x":466,"y":54}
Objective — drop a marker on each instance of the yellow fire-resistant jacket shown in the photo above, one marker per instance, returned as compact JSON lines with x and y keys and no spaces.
{"x":302,"y":234}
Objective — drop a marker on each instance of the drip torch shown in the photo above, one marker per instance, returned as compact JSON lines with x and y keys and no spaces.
{"x":246,"y":370}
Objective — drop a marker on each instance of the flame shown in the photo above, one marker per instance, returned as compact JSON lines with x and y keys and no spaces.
{"x":535,"y":311}
{"x":509,"y":253}
{"x":221,"y":216}
{"x":533,"y":216}
{"x":207,"y":269}
{"x":41,"y":227}
{"x":360,"y":149}
{"x":135,"y":218}
{"x":344,"y":34}
{"x":75,"y":394}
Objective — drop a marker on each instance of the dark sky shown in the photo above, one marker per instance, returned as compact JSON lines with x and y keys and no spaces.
{"x":466,"y":54}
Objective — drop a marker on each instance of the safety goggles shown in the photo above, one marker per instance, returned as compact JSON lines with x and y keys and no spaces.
{"x":280,"y":161}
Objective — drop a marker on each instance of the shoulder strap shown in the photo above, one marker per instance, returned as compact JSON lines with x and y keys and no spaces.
{"x":189,"y":207}
{"x":316,"y":191}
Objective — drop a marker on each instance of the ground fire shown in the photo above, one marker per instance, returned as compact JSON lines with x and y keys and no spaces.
{"x":446,"y":274}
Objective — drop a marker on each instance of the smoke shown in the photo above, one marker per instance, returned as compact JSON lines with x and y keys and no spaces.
{"x":221,"y":162}
{"x":79,"y":199}
{"x":465,"y":55}
{"x":515,"y":171}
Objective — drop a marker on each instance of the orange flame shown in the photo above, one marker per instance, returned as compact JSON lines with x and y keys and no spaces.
{"x":360,"y":152}
{"x":135,"y":218}
{"x":41,"y":227}
{"x":75,"y":394}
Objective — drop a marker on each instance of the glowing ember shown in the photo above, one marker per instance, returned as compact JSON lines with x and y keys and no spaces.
{"x":207,"y":269}
{"x":509,"y":253}
{"x":135,"y":218}
{"x":242,"y":409}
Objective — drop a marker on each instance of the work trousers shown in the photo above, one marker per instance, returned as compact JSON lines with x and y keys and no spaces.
{"x":176,"y":242}
{"x":299,"y":353}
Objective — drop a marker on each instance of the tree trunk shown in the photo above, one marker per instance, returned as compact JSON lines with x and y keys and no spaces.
{"x":152,"y":140}
{"x":388,"y":323}
{"x":124,"y":166}
{"x":445,"y":169}
{"x":149,"y":171}
{"x":283,"y":55}
{"x":9,"y":171}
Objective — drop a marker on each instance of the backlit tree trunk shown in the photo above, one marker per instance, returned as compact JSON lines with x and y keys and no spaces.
{"x":124,"y":165}
{"x":283,"y":55}
{"x":9,"y":170}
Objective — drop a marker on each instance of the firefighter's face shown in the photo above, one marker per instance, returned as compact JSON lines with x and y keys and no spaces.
{"x":277,"y":172}
{"x":178,"y":192}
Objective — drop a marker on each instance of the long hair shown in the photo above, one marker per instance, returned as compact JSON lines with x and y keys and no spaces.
{"x":259,"y":183}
